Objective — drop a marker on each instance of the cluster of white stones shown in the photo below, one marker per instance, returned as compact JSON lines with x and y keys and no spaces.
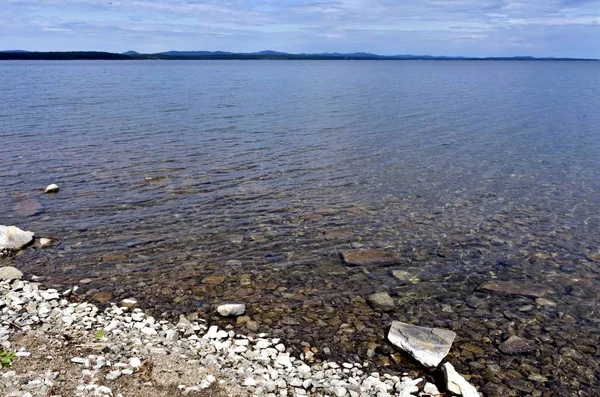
{"x":129,"y":337}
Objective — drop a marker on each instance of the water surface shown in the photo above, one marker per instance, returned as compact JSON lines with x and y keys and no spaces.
{"x":189,"y":183}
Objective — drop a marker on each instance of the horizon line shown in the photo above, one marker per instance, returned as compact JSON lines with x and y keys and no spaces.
{"x":272,"y":54}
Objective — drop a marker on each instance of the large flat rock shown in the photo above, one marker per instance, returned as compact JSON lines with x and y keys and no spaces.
{"x":369,"y":257}
{"x":514,"y":288}
{"x":13,"y":238}
{"x":429,"y":346}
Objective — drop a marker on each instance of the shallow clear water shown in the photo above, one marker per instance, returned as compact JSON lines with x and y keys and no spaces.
{"x":256,"y":174}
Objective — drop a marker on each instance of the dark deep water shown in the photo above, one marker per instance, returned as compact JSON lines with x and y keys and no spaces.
{"x":189,"y":183}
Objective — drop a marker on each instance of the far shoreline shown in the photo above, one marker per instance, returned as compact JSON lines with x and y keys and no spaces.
{"x":98,"y":55}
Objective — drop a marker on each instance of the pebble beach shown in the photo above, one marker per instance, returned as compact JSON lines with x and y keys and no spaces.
{"x":62,"y":348}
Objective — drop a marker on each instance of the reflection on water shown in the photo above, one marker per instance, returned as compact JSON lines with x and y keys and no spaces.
{"x":186,"y":184}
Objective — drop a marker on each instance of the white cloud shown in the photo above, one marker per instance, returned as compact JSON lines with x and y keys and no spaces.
{"x":471,"y":27}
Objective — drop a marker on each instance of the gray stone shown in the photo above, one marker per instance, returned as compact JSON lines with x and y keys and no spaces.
{"x":457,"y":384}
{"x":545,"y":302}
{"x":172,"y":335}
{"x":401,"y":275}
{"x":429,"y":346}
{"x":369,"y":257}
{"x":13,"y":238}
{"x":382,"y":300}
{"x":232,"y":309}
{"x":9,"y":273}
{"x":517,"y":345}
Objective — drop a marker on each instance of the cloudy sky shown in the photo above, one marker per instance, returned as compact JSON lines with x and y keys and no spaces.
{"x":436,"y":27}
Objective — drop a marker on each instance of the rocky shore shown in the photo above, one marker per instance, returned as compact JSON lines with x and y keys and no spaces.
{"x":54,"y":347}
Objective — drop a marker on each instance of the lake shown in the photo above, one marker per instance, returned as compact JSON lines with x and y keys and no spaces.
{"x":189,"y":183}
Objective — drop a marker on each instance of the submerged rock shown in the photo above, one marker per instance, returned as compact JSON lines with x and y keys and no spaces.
{"x":517,"y":345}
{"x":232,"y":309}
{"x":382,"y":300}
{"x":404,"y":276}
{"x":28,"y":207}
{"x":545,"y":302}
{"x":9,"y":273}
{"x":514,"y":288}
{"x":429,"y":346}
{"x":52,"y":188}
{"x":213,"y":280}
{"x":369,"y":257}
{"x":457,"y":384}
{"x":13,"y":238}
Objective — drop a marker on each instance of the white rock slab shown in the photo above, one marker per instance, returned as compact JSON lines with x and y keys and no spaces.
{"x":232,"y":309}
{"x":13,"y":238}
{"x":408,"y":387}
{"x":457,"y":384}
{"x":429,"y":346}
{"x":129,"y":303}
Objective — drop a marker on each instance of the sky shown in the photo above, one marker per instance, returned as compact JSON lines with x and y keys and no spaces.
{"x":561,"y":28}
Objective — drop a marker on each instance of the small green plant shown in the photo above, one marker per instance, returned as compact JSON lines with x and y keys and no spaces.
{"x":100,"y":334}
{"x":6,"y":358}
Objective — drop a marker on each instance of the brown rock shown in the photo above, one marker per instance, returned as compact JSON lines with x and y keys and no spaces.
{"x":478,"y":351}
{"x":252,"y":325}
{"x":245,"y":279}
{"x":337,"y":234}
{"x":514,"y":288}
{"x":369,"y":257}
{"x":213,"y":280}
{"x":313,"y":217}
{"x":102,"y":296}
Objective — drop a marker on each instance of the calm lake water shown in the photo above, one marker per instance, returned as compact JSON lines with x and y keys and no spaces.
{"x":190,"y":183}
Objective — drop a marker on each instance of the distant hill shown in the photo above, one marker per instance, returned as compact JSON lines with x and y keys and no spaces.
{"x":264,"y":55}
{"x":69,"y":55}
{"x":191,"y":53}
{"x":353,"y":54}
{"x":270,"y":52}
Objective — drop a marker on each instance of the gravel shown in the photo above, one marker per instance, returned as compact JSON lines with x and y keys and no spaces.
{"x":126,"y":339}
